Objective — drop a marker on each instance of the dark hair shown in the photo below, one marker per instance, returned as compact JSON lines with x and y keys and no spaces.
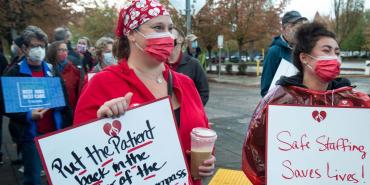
{"x":52,"y":53}
{"x":61,"y":33}
{"x":34,"y":32}
{"x":306,"y":38}
{"x":122,"y":51}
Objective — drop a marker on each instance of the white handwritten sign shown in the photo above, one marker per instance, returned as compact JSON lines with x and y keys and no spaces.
{"x":317,"y":145}
{"x":141,"y":147}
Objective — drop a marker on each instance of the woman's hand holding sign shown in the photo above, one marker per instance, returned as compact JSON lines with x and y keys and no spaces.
{"x":115,"y":107}
{"x":38,"y":114}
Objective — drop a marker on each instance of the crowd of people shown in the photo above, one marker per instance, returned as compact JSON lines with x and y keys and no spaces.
{"x":106,"y":78}
{"x":150,"y":59}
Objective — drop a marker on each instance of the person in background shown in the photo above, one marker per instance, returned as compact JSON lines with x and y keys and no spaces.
{"x":15,"y":129}
{"x":188,"y":65}
{"x":195,"y":51}
{"x":82,"y":48}
{"x":104,"y":56}
{"x":3,"y":64}
{"x":192,"y":48}
{"x":37,"y":121}
{"x":316,"y":56}
{"x":63,"y":34}
{"x":16,"y":51}
{"x":146,"y":43}
{"x":57,"y":56}
{"x":280,"y":48}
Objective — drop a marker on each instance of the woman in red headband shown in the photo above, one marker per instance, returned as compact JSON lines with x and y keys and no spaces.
{"x":145,"y":44}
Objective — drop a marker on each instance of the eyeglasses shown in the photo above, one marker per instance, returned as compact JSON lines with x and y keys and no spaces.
{"x":39,"y":45}
{"x":62,"y":49}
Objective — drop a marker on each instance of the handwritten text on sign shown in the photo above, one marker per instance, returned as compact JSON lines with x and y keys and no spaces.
{"x":317,"y":145}
{"x":141,"y":147}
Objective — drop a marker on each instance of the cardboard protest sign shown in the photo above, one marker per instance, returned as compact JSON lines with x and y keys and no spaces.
{"x":22,"y":94}
{"x":141,"y":147}
{"x":317,"y":145}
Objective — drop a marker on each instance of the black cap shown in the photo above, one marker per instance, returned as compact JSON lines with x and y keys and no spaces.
{"x":292,"y":17}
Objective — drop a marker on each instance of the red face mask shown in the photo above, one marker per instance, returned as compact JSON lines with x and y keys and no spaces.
{"x":158,"y":45}
{"x":62,"y":56}
{"x":327,"y":67}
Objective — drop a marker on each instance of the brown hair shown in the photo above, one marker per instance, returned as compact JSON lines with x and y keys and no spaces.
{"x":306,"y":38}
{"x":122,"y":48}
{"x":52,"y":52}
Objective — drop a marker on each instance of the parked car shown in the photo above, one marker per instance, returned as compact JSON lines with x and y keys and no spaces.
{"x":258,"y":57}
{"x":244,"y":58}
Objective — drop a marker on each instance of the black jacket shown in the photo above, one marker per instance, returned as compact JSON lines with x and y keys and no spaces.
{"x":190,"y":67}
{"x":297,"y":80}
{"x":3,"y":63}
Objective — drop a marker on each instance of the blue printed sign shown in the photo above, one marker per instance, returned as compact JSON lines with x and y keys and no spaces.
{"x":22,"y":94}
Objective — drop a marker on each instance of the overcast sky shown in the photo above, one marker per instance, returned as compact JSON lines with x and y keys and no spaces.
{"x":307,"y":8}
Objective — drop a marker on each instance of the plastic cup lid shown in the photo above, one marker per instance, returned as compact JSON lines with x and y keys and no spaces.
{"x":204,"y":132}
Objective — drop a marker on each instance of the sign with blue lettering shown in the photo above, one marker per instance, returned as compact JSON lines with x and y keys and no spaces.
{"x":22,"y":94}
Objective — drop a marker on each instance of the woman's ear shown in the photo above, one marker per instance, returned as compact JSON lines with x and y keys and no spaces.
{"x":131,"y":36}
{"x":303,"y":58}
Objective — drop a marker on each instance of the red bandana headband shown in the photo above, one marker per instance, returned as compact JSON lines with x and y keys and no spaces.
{"x":137,"y":13}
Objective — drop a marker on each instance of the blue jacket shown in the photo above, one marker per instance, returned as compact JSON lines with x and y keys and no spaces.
{"x":278,"y":50}
{"x":62,"y":115}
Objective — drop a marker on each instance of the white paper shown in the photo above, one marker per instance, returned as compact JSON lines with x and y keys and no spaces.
{"x":285,"y":69}
{"x":302,"y":146}
{"x":90,"y":75}
{"x":121,"y":159}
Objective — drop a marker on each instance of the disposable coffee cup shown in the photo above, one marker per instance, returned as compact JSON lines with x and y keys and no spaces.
{"x":202,"y":144}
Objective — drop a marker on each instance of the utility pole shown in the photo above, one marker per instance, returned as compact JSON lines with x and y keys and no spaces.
{"x":188,"y":18}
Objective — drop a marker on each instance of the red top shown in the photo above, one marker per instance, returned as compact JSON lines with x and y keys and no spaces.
{"x":254,"y":147}
{"x":71,"y":76}
{"x":46,"y":124}
{"x":116,"y":81}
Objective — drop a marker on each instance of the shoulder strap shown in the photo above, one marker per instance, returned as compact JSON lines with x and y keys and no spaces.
{"x":170,"y":83}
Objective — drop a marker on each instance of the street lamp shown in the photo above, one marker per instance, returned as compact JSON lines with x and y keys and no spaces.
{"x":188,"y":17}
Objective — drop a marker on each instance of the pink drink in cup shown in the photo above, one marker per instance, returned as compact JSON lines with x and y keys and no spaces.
{"x":202,"y":144}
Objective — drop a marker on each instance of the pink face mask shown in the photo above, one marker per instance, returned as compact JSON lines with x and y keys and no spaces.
{"x":81,"y":48}
{"x":62,"y":56}
{"x":158,"y":45}
{"x":327,"y":67}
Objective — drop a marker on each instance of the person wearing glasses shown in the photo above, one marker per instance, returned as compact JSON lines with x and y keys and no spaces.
{"x":280,"y":52}
{"x":38,"y":121}
{"x":57,"y":55}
